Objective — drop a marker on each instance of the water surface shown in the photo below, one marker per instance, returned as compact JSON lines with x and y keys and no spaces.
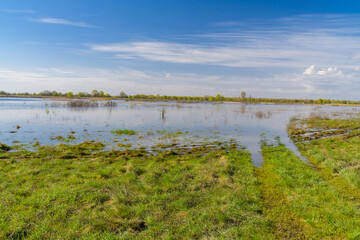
{"x":166,"y":122}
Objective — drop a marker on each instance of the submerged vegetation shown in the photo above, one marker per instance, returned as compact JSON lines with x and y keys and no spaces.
{"x":84,"y":103}
{"x":318,"y":126}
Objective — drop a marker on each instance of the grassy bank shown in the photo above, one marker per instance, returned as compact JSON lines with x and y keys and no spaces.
{"x":336,"y":157}
{"x":301,"y":202}
{"x":70,"y":192}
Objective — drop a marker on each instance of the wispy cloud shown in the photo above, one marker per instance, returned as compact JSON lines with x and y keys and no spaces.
{"x":297,"y":42}
{"x":235,"y":55}
{"x":17,"y":10}
{"x":63,"y":22}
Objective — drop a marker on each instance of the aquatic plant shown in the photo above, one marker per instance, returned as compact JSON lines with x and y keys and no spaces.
{"x":124,"y":132}
{"x":110,"y":104}
{"x":82,"y":103}
{"x":4,"y":147}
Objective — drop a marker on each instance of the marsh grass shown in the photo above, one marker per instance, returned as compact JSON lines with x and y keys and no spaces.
{"x":82,"y":104}
{"x":78,"y":191}
{"x":317,"y":127}
{"x":336,"y":157}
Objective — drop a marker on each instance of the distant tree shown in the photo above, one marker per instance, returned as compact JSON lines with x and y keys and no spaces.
{"x":320,"y":101}
{"x":101,"y":94}
{"x":46,"y":93}
{"x":211,"y":98}
{"x":70,"y":95}
{"x":81,"y":94}
{"x":95,"y":93}
{"x":123,"y":94}
{"x":219,"y":97}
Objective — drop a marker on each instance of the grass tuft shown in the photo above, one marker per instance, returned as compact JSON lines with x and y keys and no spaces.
{"x":124,"y":132}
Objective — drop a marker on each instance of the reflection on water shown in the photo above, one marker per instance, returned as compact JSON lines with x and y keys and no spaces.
{"x":44,"y":120}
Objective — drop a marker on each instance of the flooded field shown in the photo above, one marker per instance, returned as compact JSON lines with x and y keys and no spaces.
{"x":167,"y":170}
{"x":26,"y":122}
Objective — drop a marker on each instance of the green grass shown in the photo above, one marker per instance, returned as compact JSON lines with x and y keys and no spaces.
{"x":336,"y":158}
{"x":71,"y":192}
{"x":339,"y":156}
{"x":301,"y":202}
{"x":124,"y":132}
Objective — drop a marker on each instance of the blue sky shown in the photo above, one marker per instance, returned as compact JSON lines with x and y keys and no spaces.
{"x":285,"y":49}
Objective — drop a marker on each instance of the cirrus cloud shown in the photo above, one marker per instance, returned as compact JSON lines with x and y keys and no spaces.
{"x":63,"y":22}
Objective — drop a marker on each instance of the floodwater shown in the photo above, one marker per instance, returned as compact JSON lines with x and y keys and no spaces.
{"x":157,"y":122}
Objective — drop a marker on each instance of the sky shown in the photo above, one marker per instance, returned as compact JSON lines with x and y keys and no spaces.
{"x":277,"y":49}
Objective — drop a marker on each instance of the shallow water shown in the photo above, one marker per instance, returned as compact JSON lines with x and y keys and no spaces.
{"x":43,"y":120}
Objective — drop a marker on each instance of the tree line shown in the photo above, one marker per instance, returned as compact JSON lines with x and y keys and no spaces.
{"x":218,"y":98}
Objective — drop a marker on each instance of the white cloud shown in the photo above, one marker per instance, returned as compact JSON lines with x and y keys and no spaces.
{"x":63,"y":22}
{"x":309,"y":70}
{"x":330,"y":71}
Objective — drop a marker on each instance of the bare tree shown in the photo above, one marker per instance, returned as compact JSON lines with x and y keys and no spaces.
{"x":243,"y":94}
